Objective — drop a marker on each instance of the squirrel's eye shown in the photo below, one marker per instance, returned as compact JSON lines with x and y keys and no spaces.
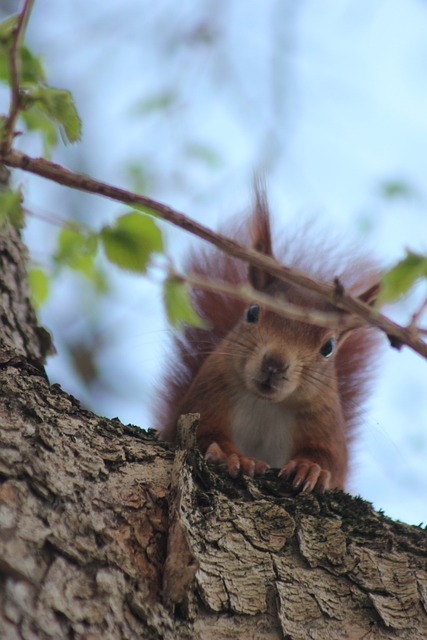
{"x":328,"y":348}
{"x":252,"y":314}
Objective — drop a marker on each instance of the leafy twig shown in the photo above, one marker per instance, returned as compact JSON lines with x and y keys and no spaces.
{"x":397,"y":334}
{"x":15,"y":99}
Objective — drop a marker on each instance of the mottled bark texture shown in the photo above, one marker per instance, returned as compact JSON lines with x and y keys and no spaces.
{"x":106,"y":533}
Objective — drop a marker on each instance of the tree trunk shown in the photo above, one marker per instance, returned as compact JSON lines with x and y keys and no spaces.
{"x":106,"y":533}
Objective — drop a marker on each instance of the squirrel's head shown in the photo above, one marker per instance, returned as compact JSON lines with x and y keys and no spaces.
{"x":282,"y":359}
{"x":277,"y":358}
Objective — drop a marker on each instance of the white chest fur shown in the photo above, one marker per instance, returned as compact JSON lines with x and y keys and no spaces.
{"x":263,"y":429}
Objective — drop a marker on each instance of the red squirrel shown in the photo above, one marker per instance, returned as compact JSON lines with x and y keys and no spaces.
{"x":272,"y":391}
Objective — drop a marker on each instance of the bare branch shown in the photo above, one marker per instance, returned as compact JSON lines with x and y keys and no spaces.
{"x":15,"y":98}
{"x":397,"y":334}
{"x":329,"y":320}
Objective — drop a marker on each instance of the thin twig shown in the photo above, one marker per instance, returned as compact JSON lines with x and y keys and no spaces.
{"x":397,"y":335}
{"x":417,"y":315}
{"x":413,"y":328}
{"x":54,"y":220}
{"x":15,"y":95}
{"x":246,"y":293}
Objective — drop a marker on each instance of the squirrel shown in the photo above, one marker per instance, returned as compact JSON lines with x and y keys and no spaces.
{"x":271,"y":391}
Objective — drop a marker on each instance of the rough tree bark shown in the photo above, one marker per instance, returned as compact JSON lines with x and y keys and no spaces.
{"x":106,"y":533}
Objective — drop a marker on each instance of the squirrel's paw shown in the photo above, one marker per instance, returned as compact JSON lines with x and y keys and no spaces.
{"x":306,"y":475}
{"x":235,"y":462}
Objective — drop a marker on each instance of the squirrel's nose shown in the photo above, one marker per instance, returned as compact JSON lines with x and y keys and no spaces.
{"x":273,"y":365}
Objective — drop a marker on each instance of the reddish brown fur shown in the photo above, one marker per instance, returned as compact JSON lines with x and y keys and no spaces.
{"x":213,"y":397}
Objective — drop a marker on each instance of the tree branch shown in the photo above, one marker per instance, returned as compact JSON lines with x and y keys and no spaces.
{"x":248,"y":294}
{"x":397,"y":334}
{"x":15,"y":99}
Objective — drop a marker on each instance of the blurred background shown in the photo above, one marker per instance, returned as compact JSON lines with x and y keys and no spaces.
{"x":183,"y":102}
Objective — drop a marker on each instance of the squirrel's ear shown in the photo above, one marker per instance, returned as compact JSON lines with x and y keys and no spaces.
{"x":261,"y":238}
{"x":370,"y":295}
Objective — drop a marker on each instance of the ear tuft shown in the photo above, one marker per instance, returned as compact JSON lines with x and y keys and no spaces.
{"x":261,"y":237}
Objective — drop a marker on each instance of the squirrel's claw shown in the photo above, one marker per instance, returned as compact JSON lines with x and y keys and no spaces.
{"x":234,"y":462}
{"x":307,"y":476}
{"x":215,"y":454}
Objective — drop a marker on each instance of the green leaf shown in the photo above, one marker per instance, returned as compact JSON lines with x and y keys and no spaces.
{"x":157,"y":102}
{"x":394,"y":189}
{"x":6,"y":31}
{"x":11,"y":208}
{"x":179,"y":307}
{"x":77,"y":250}
{"x":2,"y":126}
{"x":145,"y":208}
{"x":130,"y":242}
{"x":58,"y":104}
{"x":39,"y":286}
{"x":402,"y":276}
{"x":140,"y":179}
{"x":36,"y":120}
{"x":205,"y":154}
{"x":30,"y":67}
